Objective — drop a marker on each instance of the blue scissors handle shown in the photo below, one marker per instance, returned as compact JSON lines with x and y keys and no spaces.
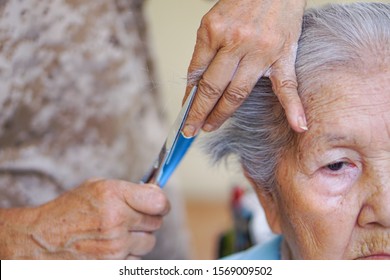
{"x":175,"y":147}
{"x":181,"y":147}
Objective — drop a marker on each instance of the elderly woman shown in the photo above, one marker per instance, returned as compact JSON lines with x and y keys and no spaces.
{"x":325,"y":192}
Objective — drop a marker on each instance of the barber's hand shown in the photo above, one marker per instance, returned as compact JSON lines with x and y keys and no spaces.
{"x":102,"y":219}
{"x":237,"y":43}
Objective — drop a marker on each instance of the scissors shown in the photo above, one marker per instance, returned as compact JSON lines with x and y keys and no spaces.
{"x":174,"y":148}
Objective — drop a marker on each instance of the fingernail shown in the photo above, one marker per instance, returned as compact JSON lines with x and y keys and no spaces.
{"x":302,"y":123}
{"x":189,"y":130}
{"x":208,"y":127}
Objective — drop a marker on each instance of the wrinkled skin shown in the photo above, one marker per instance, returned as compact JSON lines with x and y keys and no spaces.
{"x":333,"y":201}
{"x":237,"y":43}
{"x":101,"y":219}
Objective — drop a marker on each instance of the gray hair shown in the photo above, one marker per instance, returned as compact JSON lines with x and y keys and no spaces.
{"x":334,"y":37}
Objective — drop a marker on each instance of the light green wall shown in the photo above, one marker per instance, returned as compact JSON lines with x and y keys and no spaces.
{"x":172,"y":27}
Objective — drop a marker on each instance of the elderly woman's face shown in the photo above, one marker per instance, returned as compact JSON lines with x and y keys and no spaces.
{"x":333,"y":201}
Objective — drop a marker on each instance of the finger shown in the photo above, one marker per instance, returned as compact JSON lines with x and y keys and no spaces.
{"x":142,"y":222}
{"x":206,"y":47}
{"x":146,"y":198}
{"x":210,"y":89}
{"x":115,"y":246}
{"x":139,"y":243}
{"x":248,"y":73}
{"x":284,"y":84}
{"x":202,"y":56}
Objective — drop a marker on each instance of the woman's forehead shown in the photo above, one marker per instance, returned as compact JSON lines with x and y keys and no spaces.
{"x":348,"y":93}
{"x":344,"y":105}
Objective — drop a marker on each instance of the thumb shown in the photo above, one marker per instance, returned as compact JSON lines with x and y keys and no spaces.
{"x":285,"y":86}
{"x":147,"y":199}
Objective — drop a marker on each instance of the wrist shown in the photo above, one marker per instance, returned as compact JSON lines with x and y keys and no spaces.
{"x":16,"y":232}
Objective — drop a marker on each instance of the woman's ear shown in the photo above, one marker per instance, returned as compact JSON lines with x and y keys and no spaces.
{"x":271,"y":209}
{"x":270,"y":204}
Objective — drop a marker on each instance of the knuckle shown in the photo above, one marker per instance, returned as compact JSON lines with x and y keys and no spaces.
{"x":212,"y":23}
{"x":285,"y":87}
{"x":93,"y":186}
{"x":111,"y":221}
{"x":286,"y":91}
{"x":98,"y":185}
{"x":206,"y":21}
{"x":217,"y":118}
{"x":269,"y":42}
{"x":110,"y":246}
{"x":114,"y":243}
{"x":196,"y":114}
{"x":289,"y":84}
{"x":243,"y":34}
{"x":105,"y":190}
{"x":208,"y":89}
{"x":236,"y":95}
{"x":93,"y":180}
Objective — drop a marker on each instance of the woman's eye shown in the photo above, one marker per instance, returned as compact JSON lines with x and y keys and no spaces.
{"x":336,"y":166}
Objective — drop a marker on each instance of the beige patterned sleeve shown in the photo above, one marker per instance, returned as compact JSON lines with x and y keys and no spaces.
{"x":77,"y":97}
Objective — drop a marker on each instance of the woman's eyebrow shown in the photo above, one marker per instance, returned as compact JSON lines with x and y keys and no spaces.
{"x":329,"y":139}
{"x":333,"y":138}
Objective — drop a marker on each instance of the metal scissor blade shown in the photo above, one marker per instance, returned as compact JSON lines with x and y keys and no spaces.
{"x":150,"y":176}
{"x":174,"y":148}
